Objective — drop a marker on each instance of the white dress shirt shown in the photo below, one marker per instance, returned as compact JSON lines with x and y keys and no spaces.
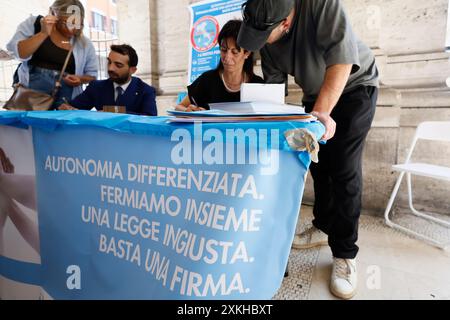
{"x":124,"y":88}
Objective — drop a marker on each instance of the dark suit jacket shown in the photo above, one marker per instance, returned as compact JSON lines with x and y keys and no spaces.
{"x":139,"y":98}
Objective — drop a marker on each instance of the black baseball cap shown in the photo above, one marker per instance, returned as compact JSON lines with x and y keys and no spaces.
{"x":260,"y":18}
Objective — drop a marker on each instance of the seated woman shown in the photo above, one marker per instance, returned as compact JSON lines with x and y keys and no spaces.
{"x":222,"y":84}
{"x":43,"y":44}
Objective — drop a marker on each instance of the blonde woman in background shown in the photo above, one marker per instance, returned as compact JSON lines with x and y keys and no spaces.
{"x":43,"y":43}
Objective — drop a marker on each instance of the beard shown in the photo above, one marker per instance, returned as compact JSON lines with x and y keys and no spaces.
{"x":117,"y":79}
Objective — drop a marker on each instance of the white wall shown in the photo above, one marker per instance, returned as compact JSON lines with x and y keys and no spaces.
{"x":14,"y":12}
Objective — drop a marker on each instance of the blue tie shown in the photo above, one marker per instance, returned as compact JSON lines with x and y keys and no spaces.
{"x":119,"y":91}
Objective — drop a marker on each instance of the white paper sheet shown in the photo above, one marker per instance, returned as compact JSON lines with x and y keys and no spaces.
{"x":260,"y":92}
{"x":256,"y":108}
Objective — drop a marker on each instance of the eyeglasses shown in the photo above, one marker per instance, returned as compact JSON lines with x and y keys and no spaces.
{"x":262,"y":26}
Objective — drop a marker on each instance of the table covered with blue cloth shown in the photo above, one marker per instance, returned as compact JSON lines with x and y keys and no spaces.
{"x":130,"y":207}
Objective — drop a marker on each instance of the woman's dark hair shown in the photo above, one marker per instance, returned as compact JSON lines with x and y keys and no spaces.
{"x":231,"y":31}
{"x":127,"y":50}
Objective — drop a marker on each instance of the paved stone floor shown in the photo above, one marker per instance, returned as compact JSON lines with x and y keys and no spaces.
{"x":391,"y":265}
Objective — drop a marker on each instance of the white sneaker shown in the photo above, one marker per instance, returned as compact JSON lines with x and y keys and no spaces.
{"x":344,"y":278}
{"x":310,"y":238}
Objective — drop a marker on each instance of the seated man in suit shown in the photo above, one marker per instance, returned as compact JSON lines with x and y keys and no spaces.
{"x":121,"y":89}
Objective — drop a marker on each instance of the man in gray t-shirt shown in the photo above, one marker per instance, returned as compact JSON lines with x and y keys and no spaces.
{"x":313,"y":41}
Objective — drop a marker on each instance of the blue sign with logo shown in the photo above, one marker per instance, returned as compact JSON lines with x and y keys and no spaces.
{"x":207,"y":19}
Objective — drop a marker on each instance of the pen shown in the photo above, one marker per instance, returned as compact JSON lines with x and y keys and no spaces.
{"x":194,"y":102}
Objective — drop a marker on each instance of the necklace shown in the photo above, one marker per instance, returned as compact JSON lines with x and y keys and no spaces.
{"x":228,"y":88}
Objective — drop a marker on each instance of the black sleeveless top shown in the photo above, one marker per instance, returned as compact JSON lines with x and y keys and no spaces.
{"x":209,"y":88}
{"x":50,"y":56}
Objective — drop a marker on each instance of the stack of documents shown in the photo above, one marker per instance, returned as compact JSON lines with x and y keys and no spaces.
{"x":244,"y":112}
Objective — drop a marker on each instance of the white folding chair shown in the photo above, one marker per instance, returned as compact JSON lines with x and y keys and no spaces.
{"x":437,"y":131}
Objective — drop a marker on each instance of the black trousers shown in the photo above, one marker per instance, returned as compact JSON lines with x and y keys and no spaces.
{"x":338,"y":175}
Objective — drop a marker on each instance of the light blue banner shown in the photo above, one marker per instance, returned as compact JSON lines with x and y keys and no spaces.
{"x":124,"y":215}
{"x":208,"y":17}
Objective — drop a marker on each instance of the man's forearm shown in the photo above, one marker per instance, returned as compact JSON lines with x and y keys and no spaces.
{"x":334,"y":84}
{"x":336,"y":78}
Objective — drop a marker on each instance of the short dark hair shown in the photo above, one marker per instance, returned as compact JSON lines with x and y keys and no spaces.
{"x":231,"y":31}
{"x":127,"y":50}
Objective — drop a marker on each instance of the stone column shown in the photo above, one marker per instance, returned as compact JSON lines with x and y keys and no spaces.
{"x":137,"y":28}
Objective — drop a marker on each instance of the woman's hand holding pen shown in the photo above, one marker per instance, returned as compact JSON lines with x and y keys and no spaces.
{"x":188,"y":106}
{"x":192,"y":108}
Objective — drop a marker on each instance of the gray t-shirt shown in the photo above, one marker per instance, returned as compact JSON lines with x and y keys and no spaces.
{"x":321,"y":36}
